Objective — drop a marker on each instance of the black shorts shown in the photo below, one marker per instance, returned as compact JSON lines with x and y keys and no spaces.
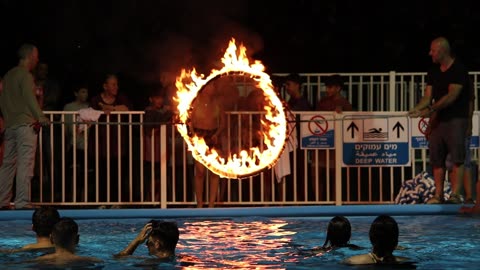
{"x":448,"y":137}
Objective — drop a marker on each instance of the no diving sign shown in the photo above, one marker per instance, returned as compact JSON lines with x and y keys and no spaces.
{"x":419,"y":128}
{"x":318,"y":125}
{"x":316,"y":131}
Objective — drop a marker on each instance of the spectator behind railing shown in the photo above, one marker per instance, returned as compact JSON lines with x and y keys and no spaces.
{"x":297,"y":102}
{"x":81,"y":102}
{"x":110,"y":101}
{"x":250,"y":136}
{"x":332,"y":101}
{"x":207,"y":122}
{"x":50,"y":88}
{"x":48,"y":93}
{"x":155,"y":113}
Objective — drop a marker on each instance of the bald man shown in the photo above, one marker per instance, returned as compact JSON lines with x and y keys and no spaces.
{"x":446,"y":102}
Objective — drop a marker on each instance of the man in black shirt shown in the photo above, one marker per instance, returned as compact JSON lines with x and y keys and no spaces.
{"x":446,"y":101}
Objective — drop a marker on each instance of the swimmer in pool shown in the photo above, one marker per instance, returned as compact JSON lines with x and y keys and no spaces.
{"x":160,"y":237}
{"x":339,"y":232}
{"x":384,"y":238}
{"x":65,"y":239}
{"x":43,"y":221}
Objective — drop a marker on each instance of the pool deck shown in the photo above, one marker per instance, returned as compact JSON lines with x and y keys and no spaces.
{"x":286,"y":211}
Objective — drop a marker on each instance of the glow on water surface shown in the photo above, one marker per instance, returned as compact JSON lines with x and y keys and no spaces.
{"x":434,"y":242}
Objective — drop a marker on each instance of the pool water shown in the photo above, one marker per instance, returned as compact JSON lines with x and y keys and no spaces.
{"x":433,"y":242}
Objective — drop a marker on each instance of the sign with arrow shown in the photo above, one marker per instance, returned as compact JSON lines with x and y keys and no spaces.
{"x":353,"y":127}
{"x":376,"y":139}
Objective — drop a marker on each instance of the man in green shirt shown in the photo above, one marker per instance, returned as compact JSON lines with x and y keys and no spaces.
{"x":21,"y":113}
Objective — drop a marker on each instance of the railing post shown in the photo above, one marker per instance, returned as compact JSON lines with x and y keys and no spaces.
{"x":163,"y":166}
{"x":391,"y":91}
{"x":338,"y":137}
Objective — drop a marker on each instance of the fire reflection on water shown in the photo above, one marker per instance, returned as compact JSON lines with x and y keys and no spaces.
{"x":261,"y":243}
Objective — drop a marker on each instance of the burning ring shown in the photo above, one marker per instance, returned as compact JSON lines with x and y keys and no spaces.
{"x":189,"y":85}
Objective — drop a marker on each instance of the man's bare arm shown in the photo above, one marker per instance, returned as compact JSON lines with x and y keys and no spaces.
{"x":141,"y":237}
{"x":423,"y":103}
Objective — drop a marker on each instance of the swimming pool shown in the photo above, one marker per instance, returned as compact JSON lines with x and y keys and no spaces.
{"x":265,"y":242}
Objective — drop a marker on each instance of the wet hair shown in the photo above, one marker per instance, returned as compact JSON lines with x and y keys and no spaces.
{"x":334,"y":80}
{"x":43,"y":220}
{"x":25,"y":50}
{"x":384,"y":236}
{"x":294,"y":77}
{"x":339,"y":232}
{"x":65,"y":233}
{"x":165,"y":232}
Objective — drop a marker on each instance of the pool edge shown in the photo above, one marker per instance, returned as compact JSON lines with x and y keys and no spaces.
{"x":285,"y":211}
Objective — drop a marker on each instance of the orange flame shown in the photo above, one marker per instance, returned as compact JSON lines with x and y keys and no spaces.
{"x":188,"y":86}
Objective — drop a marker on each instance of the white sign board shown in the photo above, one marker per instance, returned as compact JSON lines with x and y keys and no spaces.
{"x":376,"y":139}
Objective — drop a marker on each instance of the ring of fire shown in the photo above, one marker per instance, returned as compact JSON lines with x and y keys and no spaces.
{"x":189,"y":84}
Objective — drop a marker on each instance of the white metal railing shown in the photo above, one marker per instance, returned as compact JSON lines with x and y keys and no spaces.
{"x":380,"y":91}
{"x":62,"y":182}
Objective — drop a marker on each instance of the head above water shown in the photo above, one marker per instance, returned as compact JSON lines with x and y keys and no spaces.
{"x":384,"y":235}
{"x":43,"y":220}
{"x":65,"y":234}
{"x":163,"y":237}
{"x":339,"y":232}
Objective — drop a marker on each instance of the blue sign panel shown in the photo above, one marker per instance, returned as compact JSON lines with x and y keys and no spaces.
{"x":419,"y":142}
{"x":324,"y":141}
{"x":474,"y":142}
{"x":422,"y":142}
{"x":375,"y":139}
{"x":378,"y":154}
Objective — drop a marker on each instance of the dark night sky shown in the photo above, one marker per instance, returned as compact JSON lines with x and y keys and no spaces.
{"x":84,"y":39}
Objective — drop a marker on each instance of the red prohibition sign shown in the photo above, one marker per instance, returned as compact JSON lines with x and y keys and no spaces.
{"x":318,"y":125}
{"x":422,"y":125}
